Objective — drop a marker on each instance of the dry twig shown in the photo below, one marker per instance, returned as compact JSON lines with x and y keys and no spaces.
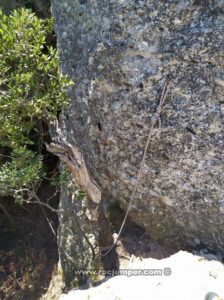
{"x":74,"y":161}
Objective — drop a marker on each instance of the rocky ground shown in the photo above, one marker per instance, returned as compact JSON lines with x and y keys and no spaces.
{"x":30,"y":271}
{"x":183,"y":276}
{"x":198,"y":275}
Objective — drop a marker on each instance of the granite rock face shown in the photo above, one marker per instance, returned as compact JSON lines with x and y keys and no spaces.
{"x":77,"y":240}
{"x":119,"y":54}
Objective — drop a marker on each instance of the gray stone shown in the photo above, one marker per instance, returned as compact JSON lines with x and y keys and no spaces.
{"x":210,"y":256}
{"x":197,"y":241}
{"x":83,"y":229}
{"x":119,"y":54}
{"x":77,"y":244}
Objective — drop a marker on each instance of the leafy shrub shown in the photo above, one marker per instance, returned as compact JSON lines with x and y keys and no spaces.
{"x":32,"y":92}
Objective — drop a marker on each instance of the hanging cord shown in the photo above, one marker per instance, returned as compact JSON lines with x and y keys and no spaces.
{"x":155,"y":119}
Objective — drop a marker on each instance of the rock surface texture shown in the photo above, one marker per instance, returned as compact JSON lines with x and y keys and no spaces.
{"x":191,"y":277}
{"x":119,"y":54}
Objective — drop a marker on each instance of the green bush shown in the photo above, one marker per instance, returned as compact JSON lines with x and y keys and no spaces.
{"x":32,"y":92}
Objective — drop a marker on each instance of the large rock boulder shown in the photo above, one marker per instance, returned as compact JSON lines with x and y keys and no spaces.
{"x":119,"y":54}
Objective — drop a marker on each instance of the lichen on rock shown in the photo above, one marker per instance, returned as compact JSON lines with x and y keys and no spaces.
{"x":119,"y":54}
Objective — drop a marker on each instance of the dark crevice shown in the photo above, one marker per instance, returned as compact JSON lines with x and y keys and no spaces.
{"x":141,"y":86}
{"x":191,"y":130}
{"x":99,"y":126}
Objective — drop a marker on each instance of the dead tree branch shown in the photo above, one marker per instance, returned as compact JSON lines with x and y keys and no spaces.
{"x":73,"y":159}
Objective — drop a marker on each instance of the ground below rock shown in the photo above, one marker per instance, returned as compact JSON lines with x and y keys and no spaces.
{"x":181,"y":276}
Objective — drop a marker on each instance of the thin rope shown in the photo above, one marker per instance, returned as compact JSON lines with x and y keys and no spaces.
{"x":155,"y":119}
